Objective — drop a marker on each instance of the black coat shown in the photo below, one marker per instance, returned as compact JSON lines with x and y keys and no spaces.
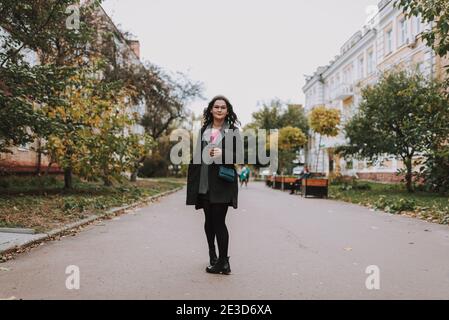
{"x":220,"y":191}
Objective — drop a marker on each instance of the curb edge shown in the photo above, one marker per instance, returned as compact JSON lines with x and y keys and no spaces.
{"x":73,"y":225}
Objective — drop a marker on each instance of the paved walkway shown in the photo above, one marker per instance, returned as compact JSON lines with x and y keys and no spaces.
{"x":10,"y":239}
{"x":282,"y":247}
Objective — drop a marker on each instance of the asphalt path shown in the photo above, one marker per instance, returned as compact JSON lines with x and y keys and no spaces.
{"x":282,"y":246}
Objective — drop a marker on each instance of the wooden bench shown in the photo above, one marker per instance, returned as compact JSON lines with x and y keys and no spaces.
{"x":277,"y":181}
{"x":315,"y":187}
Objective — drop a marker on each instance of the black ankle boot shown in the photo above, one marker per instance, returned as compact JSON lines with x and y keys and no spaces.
{"x":212,"y":257}
{"x":222,"y":266}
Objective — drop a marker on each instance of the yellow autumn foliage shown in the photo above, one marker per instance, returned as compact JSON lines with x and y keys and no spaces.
{"x":325,"y":121}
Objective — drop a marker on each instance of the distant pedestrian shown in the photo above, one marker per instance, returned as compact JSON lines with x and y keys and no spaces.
{"x":244,"y":176}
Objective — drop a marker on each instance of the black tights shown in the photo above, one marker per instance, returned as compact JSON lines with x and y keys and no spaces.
{"x":215,"y":226}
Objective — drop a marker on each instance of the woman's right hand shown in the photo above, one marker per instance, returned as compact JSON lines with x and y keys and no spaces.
{"x":215,"y":152}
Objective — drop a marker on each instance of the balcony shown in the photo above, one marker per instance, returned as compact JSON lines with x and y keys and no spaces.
{"x":343,"y":91}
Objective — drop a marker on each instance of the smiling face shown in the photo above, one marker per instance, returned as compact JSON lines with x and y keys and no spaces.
{"x":219,"y":110}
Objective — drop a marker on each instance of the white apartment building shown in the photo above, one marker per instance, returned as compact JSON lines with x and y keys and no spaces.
{"x":388,"y":40}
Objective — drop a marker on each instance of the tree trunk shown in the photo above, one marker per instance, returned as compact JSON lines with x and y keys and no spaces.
{"x":68,"y":178}
{"x":47,"y":171}
{"x":136,"y":169}
{"x":409,"y":175}
{"x":134,"y":175}
{"x":318,"y":155}
{"x":39,"y":157}
{"x":107,"y":181}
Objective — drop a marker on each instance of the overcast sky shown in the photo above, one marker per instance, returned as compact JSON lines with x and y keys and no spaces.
{"x":249,"y":50}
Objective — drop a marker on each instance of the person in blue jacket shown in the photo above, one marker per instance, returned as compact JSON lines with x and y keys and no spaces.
{"x":244,"y":176}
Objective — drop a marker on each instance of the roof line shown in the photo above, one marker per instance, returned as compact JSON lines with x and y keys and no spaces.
{"x":120,"y":33}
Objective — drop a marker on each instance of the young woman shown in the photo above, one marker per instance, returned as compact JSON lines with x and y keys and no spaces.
{"x":206,"y":187}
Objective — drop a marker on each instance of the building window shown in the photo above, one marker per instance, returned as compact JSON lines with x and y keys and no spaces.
{"x":388,"y":41}
{"x":403,"y":32}
{"x":349,"y":165}
{"x":361,"y":67}
{"x":370,"y":62}
{"x":418,"y":24}
{"x":25,"y":146}
{"x":348,"y":74}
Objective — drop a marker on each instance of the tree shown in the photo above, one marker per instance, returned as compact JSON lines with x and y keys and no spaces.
{"x":436,"y":11}
{"x":42,"y":27}
{"x":290,"y":140}
{"x":436,"y":169}
{"x":93,"y":136}
{"x":25,"y":88}
{"x":435,"y":166}
{"x":44,"y":101}
{"x":157,"y":164}
{"x":166,"y":97}
{"x":39,"y":26}
{"x":294,"y":116}
{"x":325,"y":122}
{"x":269,"y":117}
{"x":401,"y":115}
{"x":277,"y":114}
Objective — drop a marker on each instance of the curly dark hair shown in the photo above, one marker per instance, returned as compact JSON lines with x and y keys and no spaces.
{"x":231,"y":117}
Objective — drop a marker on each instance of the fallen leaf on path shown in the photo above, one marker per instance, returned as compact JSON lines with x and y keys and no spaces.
{"x":348,"y":249}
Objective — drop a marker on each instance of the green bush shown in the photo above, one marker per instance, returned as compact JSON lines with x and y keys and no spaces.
{"x":4,"y":183}
{"x":155,"y":166}
{"x":395,"y":205}
{"x":435,"y":169}
{"x":99,"y":203}
{"x":403,"y":205}
{"x":31,"y":182}
{"x":352,"y":184}
{"x":343,"y":180}
{"x":445,"y":219}
{"x":362,"y":186}
{"x":380,"y":203}
{"x":72,"y":204}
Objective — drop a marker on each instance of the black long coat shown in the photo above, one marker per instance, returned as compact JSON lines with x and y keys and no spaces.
{"x":220,"y":191}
